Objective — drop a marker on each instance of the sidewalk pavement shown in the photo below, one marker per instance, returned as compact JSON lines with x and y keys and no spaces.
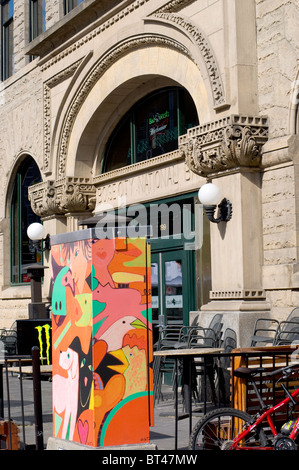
{"x":162,"y":435}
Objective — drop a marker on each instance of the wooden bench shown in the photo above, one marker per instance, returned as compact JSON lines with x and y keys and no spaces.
{"x":9,"y":438}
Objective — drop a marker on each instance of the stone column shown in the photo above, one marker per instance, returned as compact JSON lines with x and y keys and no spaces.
{"x":228,"y":152}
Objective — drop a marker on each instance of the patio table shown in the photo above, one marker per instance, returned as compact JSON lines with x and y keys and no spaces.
{"x":186,"y":356}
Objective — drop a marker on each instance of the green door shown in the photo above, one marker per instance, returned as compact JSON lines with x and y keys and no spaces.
{"x":173,"y":287}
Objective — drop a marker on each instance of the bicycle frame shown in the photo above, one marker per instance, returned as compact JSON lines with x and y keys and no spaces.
{"x":267,"y":415}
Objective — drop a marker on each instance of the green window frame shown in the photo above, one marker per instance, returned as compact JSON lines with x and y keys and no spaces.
{"x":151,"y":128}
{"x":21,"y":216}
{"x":188,"y":285}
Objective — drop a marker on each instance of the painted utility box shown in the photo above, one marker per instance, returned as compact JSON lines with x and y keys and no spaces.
{"x":101,"y":339}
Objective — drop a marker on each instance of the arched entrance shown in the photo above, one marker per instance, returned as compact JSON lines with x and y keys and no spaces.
{"x":21,"y":216}
{"x":100,"y":111}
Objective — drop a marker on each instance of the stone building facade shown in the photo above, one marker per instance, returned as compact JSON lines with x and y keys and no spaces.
{"x":71,"y":85}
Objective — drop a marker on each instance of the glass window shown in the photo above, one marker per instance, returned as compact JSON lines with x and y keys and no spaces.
{"x":156,"y":126}
{"x":37,"y":18}
{"x":7,"y":13}
{"x":22,"y":253}
{"x":70,"y":4}
{"x":119,"y":146}
{"x":151,"y":128}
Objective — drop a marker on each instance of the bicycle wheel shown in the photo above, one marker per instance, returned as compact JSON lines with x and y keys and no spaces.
{"x":218,"y":428}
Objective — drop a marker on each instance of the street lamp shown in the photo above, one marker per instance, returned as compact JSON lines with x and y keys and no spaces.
{"x":37,"y":308}
{"x":210,"y":195}
{"x":36,"y":233}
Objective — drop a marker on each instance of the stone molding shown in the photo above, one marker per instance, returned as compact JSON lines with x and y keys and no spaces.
{"x":237,"y":294}
{"x":174,"y":5}
{"x":66,"y":195}
{"x":130,"y":45}
{"x":58,"y":78}
{"x":206,"y":52}
{"x":104,"y":23}
{"x":136,"y":168}
{"x":97,"y":71}
{"x":229,"y":143}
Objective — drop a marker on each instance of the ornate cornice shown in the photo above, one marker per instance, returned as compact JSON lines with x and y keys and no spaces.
{"x":226,"y":144}
{"x":174,"y":5}
{"x":62,"y":196}
{"x":105,"y":22}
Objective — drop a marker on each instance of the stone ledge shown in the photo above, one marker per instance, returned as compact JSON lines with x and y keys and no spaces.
{"x":61,"y":444}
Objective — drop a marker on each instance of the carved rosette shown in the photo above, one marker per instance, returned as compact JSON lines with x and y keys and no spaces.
{"x":66,"y":195}
{"x":230,"y":143}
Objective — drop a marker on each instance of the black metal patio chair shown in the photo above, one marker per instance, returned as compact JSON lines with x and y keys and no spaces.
{"x":264,"y":331}
{"x":287,"y":333}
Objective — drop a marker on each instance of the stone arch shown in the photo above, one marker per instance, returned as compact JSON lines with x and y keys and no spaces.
{"x":200,"y":50}
{"x":16,"y":164}
{"x":87,"y":149}
{"x":96,"y":92}
{"x":183,"y":57}
{"x":16,"y":241}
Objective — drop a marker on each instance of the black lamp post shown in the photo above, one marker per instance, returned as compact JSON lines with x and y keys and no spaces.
{"x":36,"y":308}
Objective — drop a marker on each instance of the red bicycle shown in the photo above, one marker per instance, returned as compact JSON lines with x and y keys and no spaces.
{"x":232,"y":429}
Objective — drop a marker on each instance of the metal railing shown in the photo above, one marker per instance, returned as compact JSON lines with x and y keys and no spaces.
{"x":228,"y":390}
{"x":16,"y":363}
{"x":227,"y":387}
{"x":242,"y":393}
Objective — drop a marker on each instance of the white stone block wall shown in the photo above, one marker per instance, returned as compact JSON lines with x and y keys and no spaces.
{"x":54,"y":11}
{"x":278,"y":53}
{"x":258,"y":81}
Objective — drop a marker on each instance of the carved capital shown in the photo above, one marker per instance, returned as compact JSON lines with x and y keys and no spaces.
{"x":62,"y":196}
{"x":230,"y":143}
{"x":42,"y":197}
{"x":76,"y":194}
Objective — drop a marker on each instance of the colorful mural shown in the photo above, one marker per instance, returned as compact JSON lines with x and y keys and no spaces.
{"x":102,"y":341}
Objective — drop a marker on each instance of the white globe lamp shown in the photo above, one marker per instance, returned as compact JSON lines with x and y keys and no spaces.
{"x":36,"y":231}
{"x":209,"y":194}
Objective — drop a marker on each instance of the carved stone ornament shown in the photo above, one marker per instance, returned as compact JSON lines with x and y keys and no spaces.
{"x":207,"y":55}
{"x":110,"y":57}
{"x":66,"y":195}
{"x":229,"y":143}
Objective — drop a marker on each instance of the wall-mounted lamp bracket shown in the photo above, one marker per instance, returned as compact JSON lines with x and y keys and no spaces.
{"x":41,"y":245}
{"x":225,"y":211}
{"x":36,"y":232}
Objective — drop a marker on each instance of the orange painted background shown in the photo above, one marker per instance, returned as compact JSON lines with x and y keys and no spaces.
{"x":102,"y":342}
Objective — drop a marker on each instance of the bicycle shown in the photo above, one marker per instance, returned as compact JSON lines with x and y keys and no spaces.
{"x":233,"y":429}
